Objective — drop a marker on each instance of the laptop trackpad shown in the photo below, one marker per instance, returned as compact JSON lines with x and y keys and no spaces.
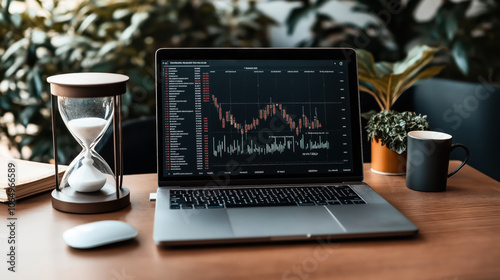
{"x":282,"y":221}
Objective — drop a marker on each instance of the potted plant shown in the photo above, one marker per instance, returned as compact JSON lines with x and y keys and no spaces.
{"x":388,"y":131}
{"x":386,"y":82}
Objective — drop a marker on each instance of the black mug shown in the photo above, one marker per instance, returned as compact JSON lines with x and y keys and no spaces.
{"x":428,"y":160}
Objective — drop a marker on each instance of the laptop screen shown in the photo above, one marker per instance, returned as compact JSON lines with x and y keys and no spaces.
{"x":237,"y":115}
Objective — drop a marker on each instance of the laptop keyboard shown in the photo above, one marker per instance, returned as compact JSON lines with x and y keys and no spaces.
{"x":258,"y":197}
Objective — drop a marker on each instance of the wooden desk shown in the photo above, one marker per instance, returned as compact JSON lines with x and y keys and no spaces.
{"x":459,"y":239}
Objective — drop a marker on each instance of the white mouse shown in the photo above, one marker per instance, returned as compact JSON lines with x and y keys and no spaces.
{"x":99,"y":233}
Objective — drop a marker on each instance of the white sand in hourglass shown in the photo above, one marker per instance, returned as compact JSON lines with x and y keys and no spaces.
{"x":87,"y":178}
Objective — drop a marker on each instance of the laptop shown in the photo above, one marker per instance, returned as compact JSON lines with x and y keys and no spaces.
{"x":263,"y":144}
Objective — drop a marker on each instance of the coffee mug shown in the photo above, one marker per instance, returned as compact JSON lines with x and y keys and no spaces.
{"x":428,"y":158}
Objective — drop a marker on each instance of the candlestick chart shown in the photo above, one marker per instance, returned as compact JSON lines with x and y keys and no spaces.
{"x":259,"y":119}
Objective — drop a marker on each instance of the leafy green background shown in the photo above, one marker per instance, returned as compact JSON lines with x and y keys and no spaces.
{"x":469,"y":29}
{"x":101,"y":36}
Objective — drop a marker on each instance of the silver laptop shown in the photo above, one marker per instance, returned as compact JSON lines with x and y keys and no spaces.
{"x":263,"y":145}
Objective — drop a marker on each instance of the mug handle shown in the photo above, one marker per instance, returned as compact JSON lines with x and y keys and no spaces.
{"x":465,"y":160}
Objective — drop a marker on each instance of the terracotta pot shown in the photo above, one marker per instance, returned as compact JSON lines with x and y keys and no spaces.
{"x":386,"y":161}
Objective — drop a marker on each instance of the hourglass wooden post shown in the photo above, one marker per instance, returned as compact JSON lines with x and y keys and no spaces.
{"x":88,"y":104}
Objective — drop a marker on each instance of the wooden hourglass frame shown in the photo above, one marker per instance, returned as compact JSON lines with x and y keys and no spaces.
{"x":87,"y":186}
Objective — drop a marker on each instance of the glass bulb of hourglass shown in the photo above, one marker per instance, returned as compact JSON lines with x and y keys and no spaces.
{"x":87,"y":119}
{"x":87,"y":178}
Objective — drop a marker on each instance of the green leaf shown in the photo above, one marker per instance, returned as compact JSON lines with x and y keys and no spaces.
{"x":62,"y":18}
{"x":427,"y":73}
{"x":108,"y":47}
{"x":121,"y":13}
{"x":87,"y":22}
{"x":378,"y":84}
{"x":136,"y":21}
{"x":38,"y":37}
{"x":384,"y":68}
{"x":5,"y":102}
{"x":16,"y":19}
{"x":35,"y":84}
{"x":390,"y":80}
{"x":61,"y":40}
{"x":295,"y":16}
{"x":451,"y":27}
{"x":27,"y":113}
{"x":139,"y":18}
{"x":14,"y":48}
{"x":18,"y":63}
{"x":459,"y":52}
{"x":417,"y":57}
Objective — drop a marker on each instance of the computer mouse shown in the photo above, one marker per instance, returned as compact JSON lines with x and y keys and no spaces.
{"x":99,"y":233}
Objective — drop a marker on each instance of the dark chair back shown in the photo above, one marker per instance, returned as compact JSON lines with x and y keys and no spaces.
{"x":470,"y":113}
{"x":139,"y":146}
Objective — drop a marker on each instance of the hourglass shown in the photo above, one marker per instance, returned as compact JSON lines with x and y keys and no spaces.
{"x":88,"y":103}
